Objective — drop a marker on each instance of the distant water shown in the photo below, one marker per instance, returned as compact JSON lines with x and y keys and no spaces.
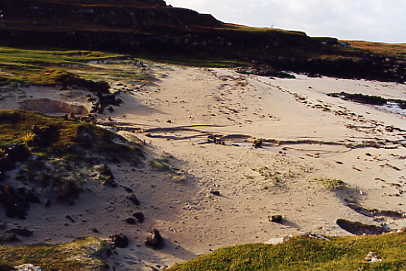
{"x":394,"y":108}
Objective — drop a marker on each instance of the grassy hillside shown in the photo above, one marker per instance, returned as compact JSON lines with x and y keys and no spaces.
{"x":307,"y":254}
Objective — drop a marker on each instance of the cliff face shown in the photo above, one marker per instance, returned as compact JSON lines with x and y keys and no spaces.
{"x":151,"y":26}
{"x":132,"y":15}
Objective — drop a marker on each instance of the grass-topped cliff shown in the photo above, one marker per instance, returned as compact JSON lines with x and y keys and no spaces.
{"x":308,"y":254}
{"x":152,"y":28}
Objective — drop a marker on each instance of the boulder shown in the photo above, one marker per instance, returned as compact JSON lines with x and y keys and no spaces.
{"x":155,"y":240}
{"x":139,"y":216}
{"x":120,"y":240}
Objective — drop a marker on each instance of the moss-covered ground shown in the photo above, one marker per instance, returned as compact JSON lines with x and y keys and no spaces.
{"x":307,"y":254}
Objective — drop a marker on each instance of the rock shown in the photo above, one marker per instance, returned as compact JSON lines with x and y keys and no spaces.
{"x":281,"y":240}
{"x":120,"y":240}
{"x":258,"y":143}
{"x":373,"y":257}
{"x":68,"y":217}
{"x":277,"y":218}
{"x":358,"y":228}
{"x":130,"y":221}
{"x":94,"y":230}
{"x":215,"y":193}
{"x":8,"y":238}
{"x":21,"y":232}
{"x":155,"y":240}
{"x":133,"y":198}
{"x":27,"y":267}
{"x":139,"y":217}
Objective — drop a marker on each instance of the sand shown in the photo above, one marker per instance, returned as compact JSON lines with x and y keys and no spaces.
{"x":308,"y":136}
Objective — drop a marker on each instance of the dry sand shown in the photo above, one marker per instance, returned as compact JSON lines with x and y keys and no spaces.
{"x":310,"y":136}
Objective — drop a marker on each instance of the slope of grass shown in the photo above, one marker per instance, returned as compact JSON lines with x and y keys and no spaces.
{"x":16,"y":128}
{"x":307,"y":254}
{"x":83,"y":254}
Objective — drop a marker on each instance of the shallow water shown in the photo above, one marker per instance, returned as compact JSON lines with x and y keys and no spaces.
{"x":393,"y":108}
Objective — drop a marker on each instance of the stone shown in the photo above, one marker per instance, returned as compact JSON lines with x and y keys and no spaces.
{"x":130,"y":221}
{"x":139,"y":216}
{"x":277,"y":218}
{"x":155,"y":240}
{"x":133,"y":198}
{"x":373,"y":257}
{"x":258,"y":143}
{"x":280,"y":240}
{"x":215,"y":193}
{"x":120,"y":240}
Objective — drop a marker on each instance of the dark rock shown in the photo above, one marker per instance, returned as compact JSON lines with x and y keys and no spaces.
{"x":155,"y":240}
{"x":133,"y":198}
{"x":139,"y":216}
{"x":277,"y":219}
{"x":130,"y":221}
{"x":21,"y":232}
{"x":120,"y":240}
{"x":258,"y":143}
{"x":94,"y":230}
{"x":68,"y":217}
{"x":215,"y":193}
{"x":358,"y":228}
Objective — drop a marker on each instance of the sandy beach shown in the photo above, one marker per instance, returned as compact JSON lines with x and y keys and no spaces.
{"x":211,"y":195}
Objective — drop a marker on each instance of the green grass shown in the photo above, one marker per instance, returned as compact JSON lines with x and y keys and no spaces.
{"x":16,"y":126}
{"x":36,"y":66}
{"x":331,"y":184}
{"x":307,"y":254}
{"x":78,"y":255}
